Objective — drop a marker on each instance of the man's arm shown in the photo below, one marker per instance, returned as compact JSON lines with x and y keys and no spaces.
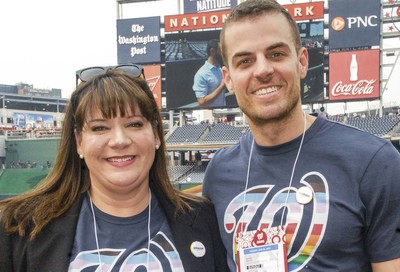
{"x":211,"y":96}
{"x":389,"y":266}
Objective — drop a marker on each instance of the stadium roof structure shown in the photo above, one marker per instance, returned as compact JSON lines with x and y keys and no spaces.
{"x":197,"y":146}
{"x":32,"y":103}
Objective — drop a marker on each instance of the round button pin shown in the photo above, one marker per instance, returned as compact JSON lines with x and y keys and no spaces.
{"x":198,"y":249}
{"x":304,"y":195}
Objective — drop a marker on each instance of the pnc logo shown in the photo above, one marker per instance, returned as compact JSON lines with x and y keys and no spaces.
{"x":338,"y":23}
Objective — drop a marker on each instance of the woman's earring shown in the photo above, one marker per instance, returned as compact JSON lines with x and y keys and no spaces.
{"x":157,"y":146}
{"x":81,"y":156}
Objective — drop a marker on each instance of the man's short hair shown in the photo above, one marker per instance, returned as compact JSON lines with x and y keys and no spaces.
{"x":252,"y":9}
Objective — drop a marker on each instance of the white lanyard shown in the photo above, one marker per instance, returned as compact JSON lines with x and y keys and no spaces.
{"x":291,"y":177}
{"x":97,"y":240}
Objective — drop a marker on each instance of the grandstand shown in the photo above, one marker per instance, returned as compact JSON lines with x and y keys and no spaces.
{"x":183,"y":49}
{"x":187,"y":134}
{"x":225,"y":133}
{"x":383,"y":126}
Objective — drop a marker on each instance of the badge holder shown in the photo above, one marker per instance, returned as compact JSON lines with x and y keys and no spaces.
{"x":261,"y":250}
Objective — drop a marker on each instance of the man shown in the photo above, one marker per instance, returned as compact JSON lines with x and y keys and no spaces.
{"x":197,"y":157}
{"x":321,"y":195}
{"x":208,"y":85}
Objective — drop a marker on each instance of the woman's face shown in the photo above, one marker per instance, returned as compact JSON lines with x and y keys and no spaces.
{"x":118,"y":152}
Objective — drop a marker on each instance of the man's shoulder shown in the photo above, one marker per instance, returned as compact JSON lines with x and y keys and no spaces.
{"x":353,"y":139}
{"x":202,"y":71}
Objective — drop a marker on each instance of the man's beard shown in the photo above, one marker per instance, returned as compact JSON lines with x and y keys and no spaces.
{"x":218,"y":58}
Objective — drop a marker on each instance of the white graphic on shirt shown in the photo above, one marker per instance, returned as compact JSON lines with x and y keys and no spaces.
{"x":168,"y":259}
{"x":255,"y":199}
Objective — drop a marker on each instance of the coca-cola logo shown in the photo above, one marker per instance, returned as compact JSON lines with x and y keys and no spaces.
{"x":361,"y":87}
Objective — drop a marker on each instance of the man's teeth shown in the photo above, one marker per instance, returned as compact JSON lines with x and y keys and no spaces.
{"x":120,"y":159}
{"x":267,"y":90}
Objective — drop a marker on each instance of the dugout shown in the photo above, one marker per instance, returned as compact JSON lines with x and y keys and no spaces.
{"x":22,"y":153}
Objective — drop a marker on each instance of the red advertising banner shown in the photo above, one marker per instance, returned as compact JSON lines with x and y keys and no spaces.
{"x":207,"y":20}
{"x":306,"y":11}
{"x":195,"y":21}
{"x":153,"y":78}
{"x":354,"y":75}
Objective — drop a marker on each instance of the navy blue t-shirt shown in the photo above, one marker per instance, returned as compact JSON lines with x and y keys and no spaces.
{"x":352,"y":218}
{"x":123,"y":242}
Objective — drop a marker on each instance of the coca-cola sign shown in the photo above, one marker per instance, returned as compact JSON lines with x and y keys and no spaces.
{"x":354,"y":75}
{"x":361,"y":87}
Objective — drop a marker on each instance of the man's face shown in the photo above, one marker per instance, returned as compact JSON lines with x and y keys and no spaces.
{"x":264,"y":68}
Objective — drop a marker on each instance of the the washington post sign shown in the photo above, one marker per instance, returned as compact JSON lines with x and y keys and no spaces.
{"x":138,"y":40}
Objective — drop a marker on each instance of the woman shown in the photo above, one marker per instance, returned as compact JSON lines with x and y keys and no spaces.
{"x":108,"y":203}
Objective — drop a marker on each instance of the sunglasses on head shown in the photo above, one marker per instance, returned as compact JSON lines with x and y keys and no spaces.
{"x":86,"y":74}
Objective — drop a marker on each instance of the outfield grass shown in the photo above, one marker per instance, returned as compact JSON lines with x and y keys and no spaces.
{"x":17,"y":181}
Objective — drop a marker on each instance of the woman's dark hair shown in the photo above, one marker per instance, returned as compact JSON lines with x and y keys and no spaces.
{"x":112,"y":92}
